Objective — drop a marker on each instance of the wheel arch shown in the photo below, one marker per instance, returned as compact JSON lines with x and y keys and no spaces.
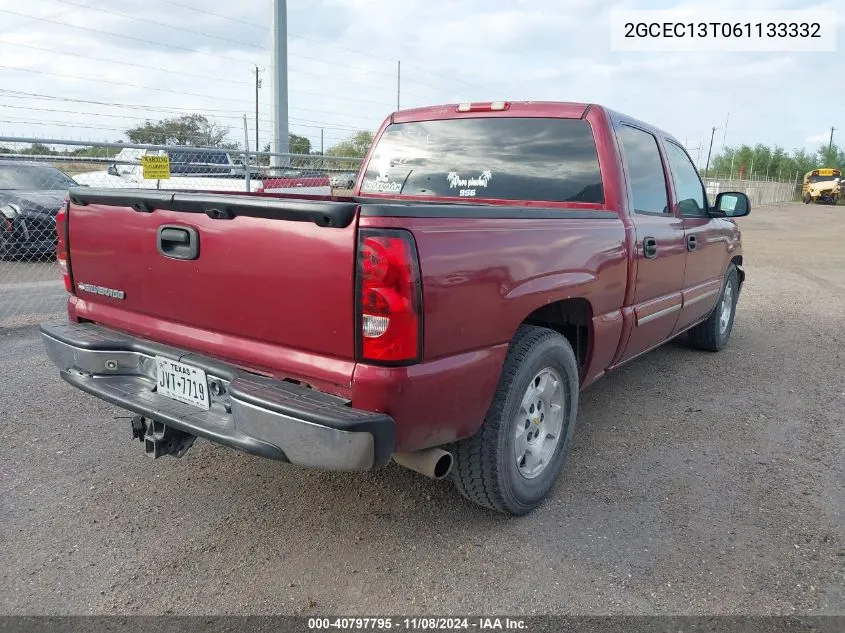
{"x":737,"y":261}
{"x":573,"y":319}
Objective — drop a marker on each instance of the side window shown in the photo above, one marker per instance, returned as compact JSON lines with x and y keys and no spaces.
{"x":645,"y":170}
{"x":688,"y":186}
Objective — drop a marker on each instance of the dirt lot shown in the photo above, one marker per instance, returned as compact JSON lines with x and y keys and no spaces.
{"x":698,"y":483}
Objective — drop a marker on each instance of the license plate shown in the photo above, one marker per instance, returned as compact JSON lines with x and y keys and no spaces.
{"x":182,"y":382}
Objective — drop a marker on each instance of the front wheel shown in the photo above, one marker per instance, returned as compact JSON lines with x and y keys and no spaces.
{"x":807,"y":198}
{"x":513,"y":461}
{"x":712,"y":335}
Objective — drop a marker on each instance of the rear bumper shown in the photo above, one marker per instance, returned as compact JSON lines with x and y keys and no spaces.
{"x":254,"y":414}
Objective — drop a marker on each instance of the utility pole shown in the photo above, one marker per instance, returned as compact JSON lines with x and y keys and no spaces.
{"x":257,"y":86}
{"x":398,"y":81}
{"x":281,"y":142}
{"x":322,"y":153}
{"x":247,"y":170}
{"x":830,"y":144}
{"x":725,"y":135}
{"x":712,"y":134}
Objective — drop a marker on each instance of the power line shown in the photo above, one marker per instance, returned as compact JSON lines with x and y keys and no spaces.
{"x":154,"y":109}
{"x":33,"y":20}
{"x":127,"y":37}
{"x":198,"y":76}
{"x":122,"y":83}
{"x":122,"y":63}
{"x":177,"y":92}
{"x":331,"y":44}
{"x":263,"y":27}
{"x":60,"y":124}
{"x":199,"y":52}
{"x":135,"y":18}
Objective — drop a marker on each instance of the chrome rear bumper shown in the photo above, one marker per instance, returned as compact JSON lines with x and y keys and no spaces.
{"x":251,"y":413}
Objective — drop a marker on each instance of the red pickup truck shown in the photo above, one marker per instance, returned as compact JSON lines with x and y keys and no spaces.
{"x":495,"y":259}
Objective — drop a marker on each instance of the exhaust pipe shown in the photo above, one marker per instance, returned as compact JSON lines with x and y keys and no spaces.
{"x":431,"y":462}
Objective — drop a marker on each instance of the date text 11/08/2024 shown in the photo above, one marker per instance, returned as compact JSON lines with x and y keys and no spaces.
{"x":417,"y":624}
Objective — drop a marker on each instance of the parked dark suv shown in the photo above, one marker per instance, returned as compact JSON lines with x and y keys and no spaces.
{"x":30,"y":196}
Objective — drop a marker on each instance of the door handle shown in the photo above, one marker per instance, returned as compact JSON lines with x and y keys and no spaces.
{"x":691,"y":243}
{"x":178,"y":242}
{"x":650,"y":248}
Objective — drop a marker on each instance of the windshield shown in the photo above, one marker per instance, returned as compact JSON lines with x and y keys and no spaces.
{"x":34,"y":178}
{"x":202,"y":158}
{"x":552,"y":160}
{"x":822,"y":178}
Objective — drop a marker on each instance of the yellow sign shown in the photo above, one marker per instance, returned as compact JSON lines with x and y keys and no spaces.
{"x":826,"y":172}
{"x":156,"y":167}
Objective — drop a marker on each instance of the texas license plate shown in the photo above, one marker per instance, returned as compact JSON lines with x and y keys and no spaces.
{"x":182,"y":382}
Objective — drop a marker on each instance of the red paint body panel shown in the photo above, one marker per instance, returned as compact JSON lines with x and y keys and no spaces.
{"x":277,"y":296}
{"x":482,"y":277}
{"x":280,"y":283}
{"x":434,"y":402}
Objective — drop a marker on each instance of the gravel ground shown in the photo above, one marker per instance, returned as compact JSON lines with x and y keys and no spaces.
{"x":698,"y":484}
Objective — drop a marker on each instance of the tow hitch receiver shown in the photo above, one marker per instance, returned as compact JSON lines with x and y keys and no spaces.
{"x":159,"y":440}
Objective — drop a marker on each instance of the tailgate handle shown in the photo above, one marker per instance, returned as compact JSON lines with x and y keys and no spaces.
{"x":178,"y":242}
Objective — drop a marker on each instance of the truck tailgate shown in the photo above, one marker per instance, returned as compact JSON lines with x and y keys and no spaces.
{"x":268,"y":269}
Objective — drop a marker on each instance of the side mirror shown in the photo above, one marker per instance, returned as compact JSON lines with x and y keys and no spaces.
{"x":113,"y":170}
{"x":732,"y":204}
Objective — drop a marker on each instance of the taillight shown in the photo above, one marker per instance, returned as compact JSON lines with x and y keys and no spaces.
{"x":389,"y":298}
{"x":62,"y":258}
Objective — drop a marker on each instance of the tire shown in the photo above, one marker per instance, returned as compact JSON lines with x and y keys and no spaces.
{"x":5,"y":249}
{"x":487,"y":470}
{"x":807,"y":198}
{"x":712,"y":335}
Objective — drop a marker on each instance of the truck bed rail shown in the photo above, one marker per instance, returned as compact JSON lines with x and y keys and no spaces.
{"x":218,"y":206}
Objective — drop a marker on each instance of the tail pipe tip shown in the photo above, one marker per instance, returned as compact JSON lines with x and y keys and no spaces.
{"x":431,"y":462}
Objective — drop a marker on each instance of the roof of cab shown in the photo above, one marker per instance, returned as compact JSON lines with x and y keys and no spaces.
{"x":557,"y":109}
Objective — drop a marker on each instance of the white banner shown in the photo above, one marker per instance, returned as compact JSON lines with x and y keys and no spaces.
{"x":707,"y":30}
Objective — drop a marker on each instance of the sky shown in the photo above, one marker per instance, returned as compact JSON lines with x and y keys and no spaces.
{"x":89,"y":69}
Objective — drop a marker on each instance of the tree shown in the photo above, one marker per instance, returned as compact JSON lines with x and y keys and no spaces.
{"x":757,"y":161}
{"x":299,"y":144}
{"x":37,"y":149}
{"x":188,"y":129}
{"x":355,"y":146}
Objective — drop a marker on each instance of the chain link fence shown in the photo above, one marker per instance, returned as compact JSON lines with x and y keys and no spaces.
{"x":768,"y":191}
{"x":35,"y":175}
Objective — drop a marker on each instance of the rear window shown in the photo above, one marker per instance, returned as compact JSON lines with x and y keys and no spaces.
{"x":553,"y":160}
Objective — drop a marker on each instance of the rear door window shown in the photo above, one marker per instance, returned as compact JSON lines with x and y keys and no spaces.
{"x":645,"y":171}
{"x":551,"y":160}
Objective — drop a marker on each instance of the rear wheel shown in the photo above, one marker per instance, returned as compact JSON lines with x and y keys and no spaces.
{"x":512,"y":463}
{"x":712,"y":335}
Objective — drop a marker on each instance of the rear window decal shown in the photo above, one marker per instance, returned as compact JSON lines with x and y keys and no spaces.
{"x":463,"y":184}
{"x":381,"y":185}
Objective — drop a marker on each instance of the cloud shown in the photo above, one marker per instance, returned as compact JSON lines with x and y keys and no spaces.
{"x":815,"y":139}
